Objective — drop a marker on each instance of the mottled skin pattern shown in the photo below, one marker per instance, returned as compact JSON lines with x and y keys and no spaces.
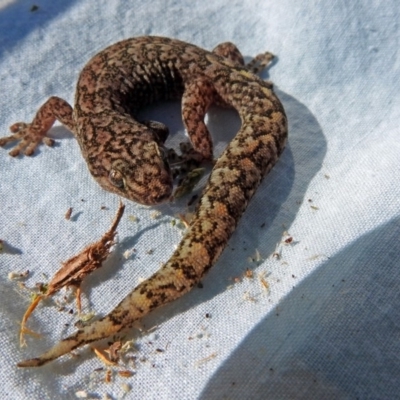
{"x":128,"y":158}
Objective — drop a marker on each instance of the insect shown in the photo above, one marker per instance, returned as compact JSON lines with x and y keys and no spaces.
{"x":74,"y":270}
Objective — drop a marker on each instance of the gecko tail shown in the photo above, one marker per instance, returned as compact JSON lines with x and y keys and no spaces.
{"x":61,"y":348}
{"x":97,"y":330}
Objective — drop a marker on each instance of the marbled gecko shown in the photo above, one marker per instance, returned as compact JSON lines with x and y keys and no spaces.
{"x":127,"y":157}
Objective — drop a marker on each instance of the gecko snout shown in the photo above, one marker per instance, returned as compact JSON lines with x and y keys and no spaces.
{"x":160,"y":188}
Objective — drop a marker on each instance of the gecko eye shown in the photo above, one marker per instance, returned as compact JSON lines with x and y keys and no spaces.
{"x":117,"y":178}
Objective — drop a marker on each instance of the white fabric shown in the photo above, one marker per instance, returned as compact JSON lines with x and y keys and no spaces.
{"x":328,"y":325}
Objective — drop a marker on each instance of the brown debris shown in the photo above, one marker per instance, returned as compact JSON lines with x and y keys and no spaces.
{"x":108,"y":376}
{"x":206,"y":359}
{"x":103,"y":358}
{"x":248,"y":273}
{"x":18,"y":275}
{"x":113,"y":351}
{"x":125,"y":373}
{"x":67,"y":215}
{"x":264,"y":282}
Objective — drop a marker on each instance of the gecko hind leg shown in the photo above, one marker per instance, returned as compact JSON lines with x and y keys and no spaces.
{"x":231,"y":52}
{"x":31,"y":135}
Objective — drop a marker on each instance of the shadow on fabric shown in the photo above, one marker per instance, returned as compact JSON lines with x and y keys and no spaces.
{"x":19,"y":18}
{"x":334,"y":336}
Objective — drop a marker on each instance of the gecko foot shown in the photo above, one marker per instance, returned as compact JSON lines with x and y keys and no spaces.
{"x":28,"y":136}
{"x":259,"y":62}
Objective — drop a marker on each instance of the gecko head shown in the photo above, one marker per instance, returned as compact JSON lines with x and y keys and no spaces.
{"x":141,"y":175}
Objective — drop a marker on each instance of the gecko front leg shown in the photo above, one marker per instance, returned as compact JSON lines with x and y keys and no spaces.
{"x":230,"y":51}
{"x":31,"y":135}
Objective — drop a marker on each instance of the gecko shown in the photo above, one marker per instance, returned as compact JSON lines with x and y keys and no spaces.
{"x":128,"y":157}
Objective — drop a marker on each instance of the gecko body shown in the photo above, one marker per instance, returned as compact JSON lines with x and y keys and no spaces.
{"x":127,"y":157}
